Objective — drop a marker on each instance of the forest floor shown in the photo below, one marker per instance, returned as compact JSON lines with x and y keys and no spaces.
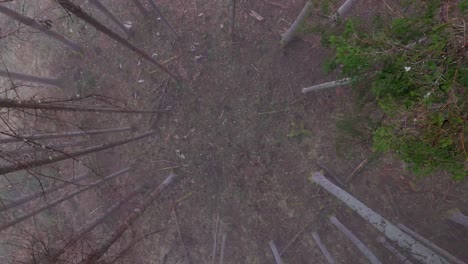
{"x":243,"y":139}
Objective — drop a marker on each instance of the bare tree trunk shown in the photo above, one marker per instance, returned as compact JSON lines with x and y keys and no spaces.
{"x":327,"y":85}
{"x":65,"y":135}
{"x":42,"y":148}
{"x":91,"y":225}
{"x":7,"y":103}
{"x":345,"y":8}
{"x":96,"y":254}
{"x":74,"y":154}
{"x":418,"y":250}
{"x":77,"y":11}
{"x":140,"y":7}
{"x":30,"y":78}
{"x":33,"y":196}
{"x":356,"y":241}
{"x":322,"y":248}
{"x":456,"y":216}
{"x":233,"y":17}
{"x":401,"y":258}
{"x":32,"y":23}
{"x":292,"y":31}
{"x":59,"y":200}
{"x":158,"y":12}
{"x":275,"y":252}
{"x":111,"y":16}
{"x":430,"y":244}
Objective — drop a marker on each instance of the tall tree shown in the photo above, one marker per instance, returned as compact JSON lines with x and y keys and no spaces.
{"x":96,"y":254}
{"x":64,"y":135}
{"x":140,"y":7}
{"x":74,"y":154}
{"x":30,"y":78}
{"x":8,"y":103}
{"x":111,"y":16}
{"x":91,"y":225}
{"x":32,"y":23}
{"x":77,"y":11}
{"x":59,"y":200}
{"x":158,"y":12}
{"x":27,"y":198}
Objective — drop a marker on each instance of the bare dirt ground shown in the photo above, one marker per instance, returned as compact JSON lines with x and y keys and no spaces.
{"x":243,"y":139}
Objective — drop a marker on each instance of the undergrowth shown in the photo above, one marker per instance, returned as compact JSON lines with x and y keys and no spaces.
{"x":414,"y":67}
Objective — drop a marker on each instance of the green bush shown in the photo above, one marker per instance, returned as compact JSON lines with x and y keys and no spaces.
{"x":418,"y":72}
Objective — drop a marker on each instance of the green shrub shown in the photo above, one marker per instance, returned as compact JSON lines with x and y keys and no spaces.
{"x":417,"y":71}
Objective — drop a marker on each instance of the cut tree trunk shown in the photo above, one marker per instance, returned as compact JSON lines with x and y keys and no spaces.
{"x":327,"y":85}
{"x":323,"y":249}
{"x":96,"y":254}
{"x":91,"y":225}
{"x":33,"y":196}
{"x":393,"y":233}
{"x":32,"y":23}
{"x":77,"y":11}
{"x":291,"y":33}
{"x":456,"y":216}
{"x":401,"y":258}
{"x":64,"y":135}
{"x":71,"y":155}
{"x":111,"y":16}
{"x":233,"y":17}
{"x":158,"y":12}
{"x":356,"y":241}
{"x":141,"y":8}
{"x":276,"y":254}
{"x":430,"y":244}
{"x":7,"y":103}
{"x":345,"y":8}
{"x":30,"y":78}
{"x":59,"y":200}
{"x":31,"y":150}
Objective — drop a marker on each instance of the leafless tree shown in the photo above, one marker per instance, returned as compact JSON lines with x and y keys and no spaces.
{"x":59,"y":200}
{"x":30,"y":78}
{"x":77,"y":11}
{"x":32,"y":23}
{"x":96,"y":254}
{"x":111,"y":16}
{"x":74,"y":154}
{"x":52,"y":189}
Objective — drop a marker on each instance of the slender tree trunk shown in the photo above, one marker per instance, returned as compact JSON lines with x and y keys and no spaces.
{"x":356,"y":241}
{"x":158,"y":12}
{"x":74,"y":154}
{"x":141,"y":8}
{"x":345,"y":8}
{"x":59,"y":200}
{"x":401,"y":258}
{"x":111,"y":16}
{"x":327,"y":85}
{"x":323,"y":249}
{"x":30,"y":78}
{"x":32,"y":23}
{"x":292,"y":31}
{"x":276,"y":254}
{"x":456,"y":216}
{"x":43,"y":148}
{"x":430,"y":244}
{"x":91,"y":225}
{"x":393,"y":233}
{"x":96,"y":254}
{"x":64,"y":135}
{"x":77,"y":11}
{"x":233,"y":17}
{"x":7,"y":103}
{"x":33,"y":196}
